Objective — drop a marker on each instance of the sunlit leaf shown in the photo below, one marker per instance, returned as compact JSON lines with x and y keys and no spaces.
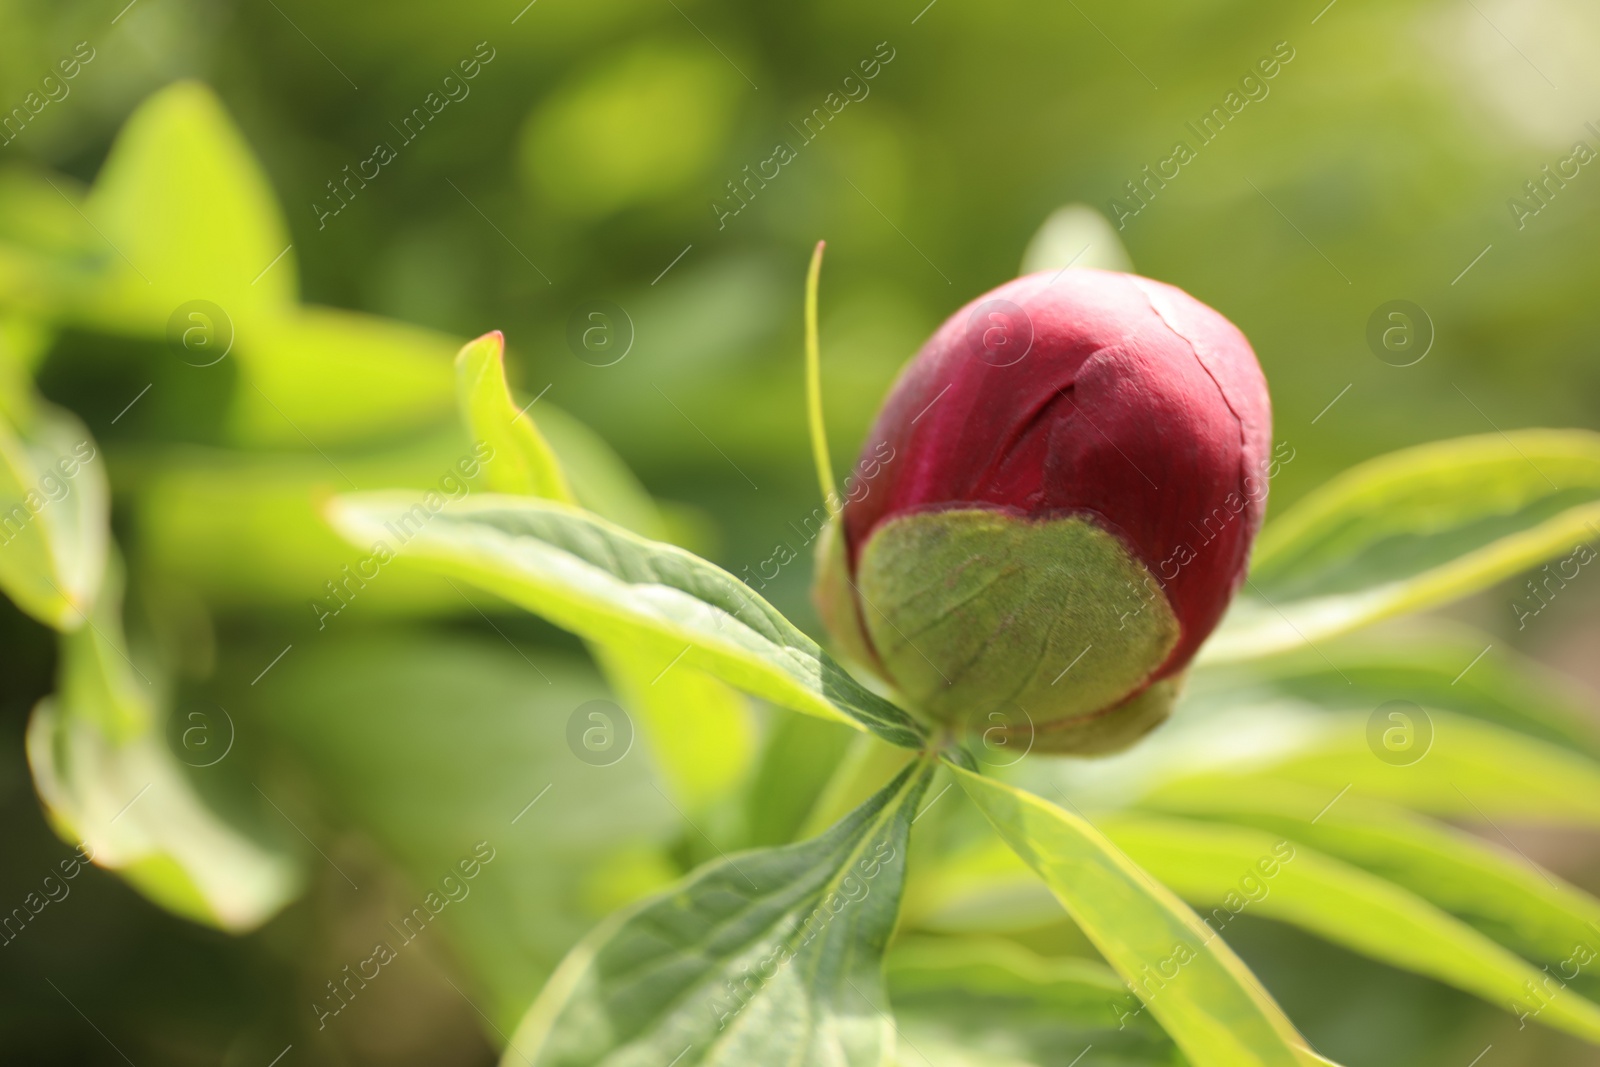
{"x":1205,"y":998}
{"x":610,"y":586}
{"x":980,"y":888}
{"x":186,"y":214}
{"x":764,"y":957}
{"x":1075,"y":236}
{"x":199,"y":512}
{"x":49,"y":254}
{"x":800,"y":756}
{"x":1410,"y":530}
{"x":1440,"y":764}
{"x":697,"y":728}
{"x":975,"y":1000}
{"x":864,"y":769}
{"x":54,"y":514}
{"x":1453,"y":668}
{"x":524,"y":462}
{"x":1229,"y":870}
{"x":107,"y":779}
{"x":315,"y":378}
{"x":1489,"y":884}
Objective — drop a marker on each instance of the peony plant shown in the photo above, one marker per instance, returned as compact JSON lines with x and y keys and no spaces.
{"x":1076,"y":462}
{"x":1069,"y":490}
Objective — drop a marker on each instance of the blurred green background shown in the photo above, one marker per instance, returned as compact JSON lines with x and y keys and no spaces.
{"x":582,"y":166}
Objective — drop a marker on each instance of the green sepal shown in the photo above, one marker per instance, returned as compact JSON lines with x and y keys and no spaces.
{"x":976,"y":614}
{"x":834,"y":597}
{"x":1113,"y":730}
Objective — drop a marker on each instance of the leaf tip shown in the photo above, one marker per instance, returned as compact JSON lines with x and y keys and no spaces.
{"x":492,"y":343}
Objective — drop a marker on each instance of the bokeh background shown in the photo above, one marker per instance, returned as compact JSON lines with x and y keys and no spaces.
{"x":583,"y":170}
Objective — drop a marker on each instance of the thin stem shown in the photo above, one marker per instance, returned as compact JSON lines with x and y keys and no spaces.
{"x":819,"y":438}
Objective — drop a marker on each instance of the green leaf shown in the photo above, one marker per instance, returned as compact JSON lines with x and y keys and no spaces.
{"x":768,"y":956}
{"x":958,"y":998}
{"x":981,"y":888}
{"x":524,"y":463}
{"x":1075,"y":236}
{"x":610,"y":586}
{"x":1412,"y":530}
{"x":315,"y":378}
{"x":697,"y":728}
{"x":54,"y":517}
{"x":1469,"y":770}
{"x":1233,"y":870}
{"x":1498,"y":891}
{"x":1434,"y":665}
{"x":865,"y":768}
{"x":1202,"y":994}
{"x":186,"y":213}
{"x":797,"y":763}
{"x":198,"y":512}
{"x":107,"y":779}
{"x":49,"y":254}
{"x":24,"y":341}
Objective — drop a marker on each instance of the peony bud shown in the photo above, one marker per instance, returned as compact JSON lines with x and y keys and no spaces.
{"x":1076,"y":468}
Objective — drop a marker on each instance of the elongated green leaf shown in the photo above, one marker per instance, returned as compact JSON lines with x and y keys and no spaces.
{"x":863,"y":770}
{"x":1499,"y":891}
{"x":1411,"y":530}
{"x":767,"y":957}
{"x":49,"y":255}
{"x":133,"y":807}
{"x":314,"y":378}
{"x":524,"y":463}
{"x":800,"y":756}
{"x":610,"y":586}
{"x":1230,"y":870}
{"x":975,"y":1000}
{"x":1202,"y":994}
{"x":1075,"y":235}
{"x":1457,"y":669}
{"x":200,"y":511}
{"x":107,"y":779}
{"x":1466,"y":769}
{"x":187,"y":214}
{"x":24,"y":340}
{"x":983,"y":888}
{"x":923,"y":1049}
{"x":545,"y":452}
{"x":54,"y":515}
{"x":698,"y":729}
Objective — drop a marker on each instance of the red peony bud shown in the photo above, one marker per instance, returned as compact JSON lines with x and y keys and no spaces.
{"x":1065,"y":483}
